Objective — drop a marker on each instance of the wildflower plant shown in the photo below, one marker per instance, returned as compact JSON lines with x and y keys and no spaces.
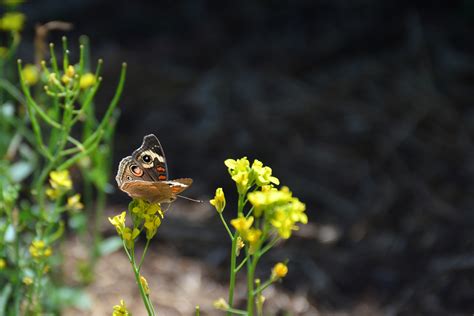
{"x":265,"y":215}
{"x":145,"y":218}
{"x":50,"y":136}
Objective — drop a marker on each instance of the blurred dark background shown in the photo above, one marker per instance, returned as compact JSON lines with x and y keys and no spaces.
{"x":363,"y":108}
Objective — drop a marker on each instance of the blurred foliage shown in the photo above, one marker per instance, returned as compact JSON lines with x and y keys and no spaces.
{"x":50,"y":138}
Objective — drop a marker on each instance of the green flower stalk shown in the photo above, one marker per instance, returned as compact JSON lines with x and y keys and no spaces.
{"x":146,"y":217}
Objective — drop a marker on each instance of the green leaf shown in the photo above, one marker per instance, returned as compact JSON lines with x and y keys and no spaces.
{"x":109,"y":245}
{"x":67,"y":296}
{"x":7,"y":290}
{"x":20,"y":170}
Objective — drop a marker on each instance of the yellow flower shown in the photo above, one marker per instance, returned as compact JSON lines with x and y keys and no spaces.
{"x":30,"y":74}
{"x":239,"y":171}
{"x":27,"y":280}
{"x":87,"y":80}
{"x":281,"y":209}
{"x":3,"y":263}
{"x":239,"y":246}
{"x":129,"y":236}
{"x":74,"y":202}
{"x":68,"y":75}
{"x":142,"y":208}
{"x":286,"y":216}
{"x":268,"y":187}
{"x":52,"y":194}
{"x":152,"y":222}
{"x":144,"y":285}
{"x":60,"y":180}
{"x":263,"y":174}
{"x":219,"y":200}
{"x":221,"y":304}
{"x":39,"y":250}
{"x":12,"y":21}
{"x":121,"y":310}
{"x":241,"y":164}
{"x":242,"y":224}
{"x":253,"y":237}
{"x":242,"y":181}
{"x":279,"y":271}
{"x":119,"y":222}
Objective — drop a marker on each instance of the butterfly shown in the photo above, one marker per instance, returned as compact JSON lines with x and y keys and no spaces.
{"x":144,"y":174}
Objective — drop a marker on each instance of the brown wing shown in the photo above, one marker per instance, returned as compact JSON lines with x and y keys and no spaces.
{"x":179,"y":185}
{"x":153,"y":192}
{"x":151,"y":158}
{"x":130,"y":170}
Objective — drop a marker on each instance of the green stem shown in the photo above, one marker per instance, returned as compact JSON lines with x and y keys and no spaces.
{"x":251,"y":265}
{"x":231,"y":311}
{"x":269,"y":246}
{"x":144,"y":254}
{"x":226,"y":226}
{"x":233,"y":259}
{"x":263,"y":287}
{"x":145,"y":298}
{"x":241,"y":264}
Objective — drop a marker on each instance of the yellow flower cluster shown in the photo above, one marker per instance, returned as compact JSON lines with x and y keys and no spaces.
{"x":3,"y":263}
{"x":68,"y":75}
{"x":60,"y":182}
{"x":245,"y":176}
{"x":150,"y":213}
{"x":221,"y":304}
{"x":247,"y":232}
{"x":74,"y":203}
{"x":70,"y":79}
{"x":39,"y":250}
{"x":121,"y":310}
{"x":127,"y":234}
{"x":12,"y":21}
{"x":280,"y":208}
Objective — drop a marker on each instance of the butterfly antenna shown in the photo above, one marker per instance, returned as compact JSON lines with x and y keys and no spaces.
{"x":189,"y":199}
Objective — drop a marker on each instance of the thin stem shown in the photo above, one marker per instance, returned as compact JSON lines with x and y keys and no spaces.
{"x":251,"y":265}
{"x":231,"y":311}
{"x":241,"y":264}
{"x":263,"y":287}
{"x":233,"y":259}
{"x":226,"y":226}
{"x":144,"y":253}
{"x":144,"y":296}
{"x":269,"y":246}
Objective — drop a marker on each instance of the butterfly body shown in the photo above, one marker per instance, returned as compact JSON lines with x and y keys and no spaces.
{"x":144,"y":174}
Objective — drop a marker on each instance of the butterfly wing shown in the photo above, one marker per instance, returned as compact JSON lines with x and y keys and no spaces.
{"x":144,"y":175}
{"x":156,"y":192}
{"x":130,"y":170}
{"x":153,"y":192}
{"x":151,"y":158}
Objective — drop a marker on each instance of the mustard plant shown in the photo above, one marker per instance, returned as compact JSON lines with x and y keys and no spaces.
{"x":265,"y":215}
{"x":146,"y":218}
{"x":48,"y":130}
